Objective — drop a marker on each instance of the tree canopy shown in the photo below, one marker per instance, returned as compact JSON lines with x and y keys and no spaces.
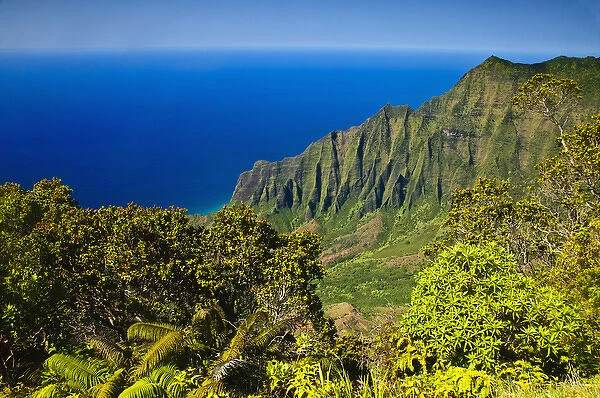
{"x":69,"y":274}
{"x":550,"y":97}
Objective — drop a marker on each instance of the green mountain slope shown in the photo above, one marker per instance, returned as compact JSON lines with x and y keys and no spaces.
{"x":381,"y":189}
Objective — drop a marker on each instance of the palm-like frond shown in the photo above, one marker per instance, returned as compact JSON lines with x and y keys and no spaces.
{"x":171,"y":379}
{"x":50,"y":391}
{"x":238,"y":343}
{"x":170,"y":343}
{"x":210,"y":388}
{"x":253,"y":334}
{"x":109,"y":351}
{"x":224,"y":370}
{"x":208,"y":313}
{"x":111,"y":387}
{"x":266,"y":336}
{"x":82,"y":374}
{"x":143,"y":388}
{"x":150,"y":331}
{"x":195,"y":344}
{"x":209,"y":323}
{"x":34,"y":376}
{"x":164,"y":376}
{"x":162,"y":382}
{"x":255,"y":319}
{"x":233,"y":378}
{"x":176,"y":390}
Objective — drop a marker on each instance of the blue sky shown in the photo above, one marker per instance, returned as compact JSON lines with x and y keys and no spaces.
{"x":570,"y":27}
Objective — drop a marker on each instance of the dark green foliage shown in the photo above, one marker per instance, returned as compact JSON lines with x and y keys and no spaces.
{"x":452,"y":382}
{"x":351,"y":351}
{"x":66,"y":374}
{"x":165,"y":382}
{"x":242,"y":253}
{"x":488,"y":212}
{"x":231,"y":309}
{"x":482,"y":213}
{"x":72,"y":273}
{"x":237,"y":368}
{"x":570,"y":182}
{"x":82,"y":374}
{"x":552,"y":320}
{"x":167,"y":341}
{"x":68,"y":274}
{"x":235,"y":250}
{"x":367,"y":188}
{"x":232,"y":365}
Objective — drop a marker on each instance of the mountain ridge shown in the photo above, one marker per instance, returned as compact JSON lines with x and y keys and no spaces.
{"x":405,"y":163}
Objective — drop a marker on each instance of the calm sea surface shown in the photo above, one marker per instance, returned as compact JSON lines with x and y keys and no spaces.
{"x":177,"y":128}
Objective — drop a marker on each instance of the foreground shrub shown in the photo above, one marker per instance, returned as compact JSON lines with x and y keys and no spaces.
{"x":452,"y":382}
{"x":473,"y":309}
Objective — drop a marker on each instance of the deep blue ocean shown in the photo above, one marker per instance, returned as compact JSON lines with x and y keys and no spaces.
{"x":177,"y":128}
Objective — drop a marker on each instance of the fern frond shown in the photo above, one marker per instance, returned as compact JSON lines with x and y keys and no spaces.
{"x":143,"y":388}
{"x":168,"y":344}
{"x":162,"y":382}
{"x":214,"y":312}
{"x":50,"y":391}
{"x":169,"y":378}
{"x":150,"y":331}
{"x":111,"y":387}
{"x":195,"y":345}
{"x":164,"y":376}
{"x":109,"y":351}
{"x":34,"y":376}
{"x":234,"y":350}
{"x":211,"y":343}
{"x":176,"y":390}
{"x":254,"y":320}
{"x":81,"y":373}
{"x":238,"y":343}
{"x":210,"y":324}
{"x":209,"y":389}
{"x":265,"y":337}
{"x":224,"y":370}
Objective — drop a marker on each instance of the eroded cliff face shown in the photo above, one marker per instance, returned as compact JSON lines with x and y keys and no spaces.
{"x":405,"y":164}
{"x":362,"y":162}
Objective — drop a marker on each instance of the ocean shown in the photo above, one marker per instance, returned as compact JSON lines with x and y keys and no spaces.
{"x":176,"y":128}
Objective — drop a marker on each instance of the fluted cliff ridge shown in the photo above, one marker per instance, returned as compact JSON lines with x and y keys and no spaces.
{"x":405,"y":163}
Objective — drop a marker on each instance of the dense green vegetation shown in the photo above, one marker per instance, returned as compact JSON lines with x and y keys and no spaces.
{"x":137,"y":302}
{"x":141,"y":287}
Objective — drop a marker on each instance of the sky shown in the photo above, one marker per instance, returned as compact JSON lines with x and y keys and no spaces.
{"x":567,"y":27}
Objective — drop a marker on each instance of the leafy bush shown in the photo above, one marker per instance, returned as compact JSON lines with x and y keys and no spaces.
{"x":472,"y":308}
{"x":453,"y":382}
{"x":306,"y":379}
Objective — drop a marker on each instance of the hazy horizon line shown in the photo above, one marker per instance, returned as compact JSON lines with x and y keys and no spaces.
{"x":515,"y":56}
{"x":267,"y":47}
